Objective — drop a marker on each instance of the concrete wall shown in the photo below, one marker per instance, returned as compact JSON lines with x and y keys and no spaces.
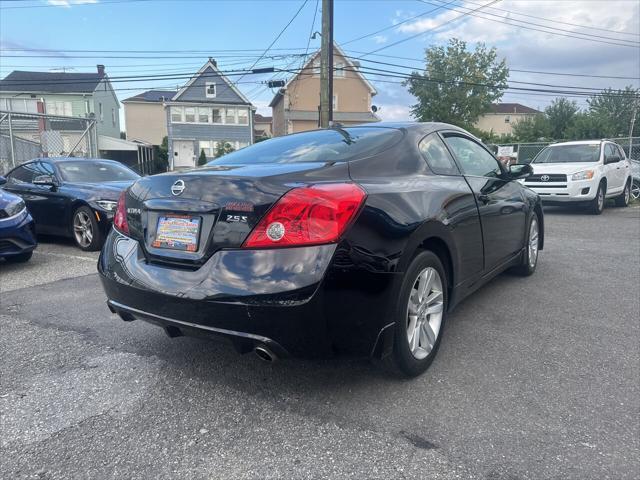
{"x":145,"y":121}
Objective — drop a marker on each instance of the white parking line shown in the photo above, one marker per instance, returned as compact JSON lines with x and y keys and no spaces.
{"x":65,"y":255}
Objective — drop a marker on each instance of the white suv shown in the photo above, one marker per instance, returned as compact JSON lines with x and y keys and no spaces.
{"x":582,"y":172}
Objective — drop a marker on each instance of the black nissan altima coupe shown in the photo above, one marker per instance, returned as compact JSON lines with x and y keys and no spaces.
{"x":351,"y":240}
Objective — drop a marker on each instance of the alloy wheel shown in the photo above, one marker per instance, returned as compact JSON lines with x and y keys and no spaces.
{"x":635,"y":190}
{"x":82,"y":229}
{"x":424,"y":312}
{"x":600,"y":199}
{"x":533,"y":243}
{"x":627,"y":194}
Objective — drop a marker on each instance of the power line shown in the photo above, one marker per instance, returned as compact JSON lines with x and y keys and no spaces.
{"x":396,"y":25}
{"x":557,"y":21}
{"x":295,"y":15}
{"x":551,"y":30}
{"x":429,"y":30}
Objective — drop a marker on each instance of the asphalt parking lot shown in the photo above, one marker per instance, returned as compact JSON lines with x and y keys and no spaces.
{"x":536,"y":378}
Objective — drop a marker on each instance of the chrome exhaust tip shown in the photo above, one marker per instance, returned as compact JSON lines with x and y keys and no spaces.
{"x":265,"y":354}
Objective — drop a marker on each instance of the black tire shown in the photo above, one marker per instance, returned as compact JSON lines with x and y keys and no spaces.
{"x":90,"y":239}
{"x":20,"y":258}
{"x":596,"y":206}
{"x":623,"y":199}
{"x":527,"y":266}
{"x":402,"y":361}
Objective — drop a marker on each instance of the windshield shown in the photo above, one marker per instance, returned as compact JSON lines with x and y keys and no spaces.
{"x":90,"y":171}
{"x":334,"y":145}
{"x":569,"y":154}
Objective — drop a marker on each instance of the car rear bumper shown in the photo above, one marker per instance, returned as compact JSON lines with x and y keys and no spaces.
{"x":17,"y":235}
{"x":295,"y":301}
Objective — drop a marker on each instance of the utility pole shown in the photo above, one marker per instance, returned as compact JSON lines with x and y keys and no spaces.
{"x":326,"y":65}
{"x":633,"y":121}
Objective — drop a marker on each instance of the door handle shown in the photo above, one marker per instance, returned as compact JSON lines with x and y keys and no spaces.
{"x":484,"y":198}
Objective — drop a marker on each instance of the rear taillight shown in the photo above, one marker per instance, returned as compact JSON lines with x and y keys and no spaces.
{"x":308,"y":216}
{"x":120,"y":217}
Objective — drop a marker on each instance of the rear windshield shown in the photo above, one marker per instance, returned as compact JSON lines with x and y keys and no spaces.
{"x":569,"y":154}
{"x":90,"y":171}
{"x":334,"y":145}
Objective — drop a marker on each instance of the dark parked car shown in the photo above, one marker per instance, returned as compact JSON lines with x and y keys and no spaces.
{"x":71,"y":197}
{"x":355,"y":240}
{"x":17,"y":232}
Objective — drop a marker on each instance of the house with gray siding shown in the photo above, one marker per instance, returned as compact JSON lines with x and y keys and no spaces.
{"x":70,"y":94}
{"x":207,"y":110}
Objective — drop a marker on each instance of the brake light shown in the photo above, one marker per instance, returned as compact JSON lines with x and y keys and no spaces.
{"x":120,"y":217}
{"x":308,"y":216}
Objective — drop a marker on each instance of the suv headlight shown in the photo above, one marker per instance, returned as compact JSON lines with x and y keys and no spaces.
{"x":108,"y":205}
{"x":584,"y":175}
{"x":14,"y":208}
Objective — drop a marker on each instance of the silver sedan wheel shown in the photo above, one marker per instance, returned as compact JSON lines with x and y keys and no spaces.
{"x":600,"y":199}
{"x":533,"y":243}
{"x":635,"y":190}
{"x":82,"y":228}
{"x":424,"y":313}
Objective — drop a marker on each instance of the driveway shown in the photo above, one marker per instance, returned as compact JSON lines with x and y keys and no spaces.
{"x":536,"y":378}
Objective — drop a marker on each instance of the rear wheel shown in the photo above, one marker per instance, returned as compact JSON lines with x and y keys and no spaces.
{"x":623,"y":199}
{"x":86,"y":231}
{"x":420,"y":315}
{"x":530,"y":256}
{"x":20,"y":258}
{"x":635,"y":189}
{"x":597,"y":204}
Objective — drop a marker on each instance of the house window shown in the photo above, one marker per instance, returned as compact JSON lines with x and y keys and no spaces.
{"x":243,"y":116}
{"x":338,"y":70}
{"x":87,"y":107}
{"x":217,"y":115}
{"x":208,"y":147}
{"x":203,"y":115}
{"x":190,"y":115}
{"x":100,"y":111}
{"x":335,"y":102}
{"x":176,"y":114}
{"x":113,"y":116}
{"x":242,"y":145}
{"x":230,"y":116}
{"x":59,"y":108}
{"x":507,"y":119}
{"x":210,"y":89}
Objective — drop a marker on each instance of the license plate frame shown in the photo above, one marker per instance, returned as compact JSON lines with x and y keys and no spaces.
{"x":178,"y":232}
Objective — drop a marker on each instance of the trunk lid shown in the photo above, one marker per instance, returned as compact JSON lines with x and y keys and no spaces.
{"x":226,"y":202}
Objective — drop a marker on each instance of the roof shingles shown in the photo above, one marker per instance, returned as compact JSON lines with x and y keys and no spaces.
{"x":51,"y":82}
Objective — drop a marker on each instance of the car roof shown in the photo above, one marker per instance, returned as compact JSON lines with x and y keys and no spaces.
{"x":578,"y":142}
{"x":71,"y":159}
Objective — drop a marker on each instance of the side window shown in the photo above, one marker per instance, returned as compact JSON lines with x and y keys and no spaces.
{"x":472,"y":158}
{"x":45,"y":168}
{"x":609,"y":150}
{"x":23,"y":174}
{"x":437,"y":156}
{"x":622,"y":154}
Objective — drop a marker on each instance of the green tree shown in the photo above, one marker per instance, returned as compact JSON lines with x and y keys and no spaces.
{"x":457,"y":85}
{"x":532,"y":129}
{"x":614,"y":108}
{"x":560,"y":116}
{"x":202,"y":159}
{"x":222,"y":148}
{"x":587,"y":127}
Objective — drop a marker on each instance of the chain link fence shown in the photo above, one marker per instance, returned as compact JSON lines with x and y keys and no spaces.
{"x":24,"y":136}
{"x":525,"y":152}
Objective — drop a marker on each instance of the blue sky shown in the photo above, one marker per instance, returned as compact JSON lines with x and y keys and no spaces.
{"x":184,"y":33}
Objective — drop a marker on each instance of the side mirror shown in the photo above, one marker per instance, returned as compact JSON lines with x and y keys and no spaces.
{"x":611,"y":159}
{"x":2,"y":180}
{"x":47,"y":180}
{"x":520,"y":171}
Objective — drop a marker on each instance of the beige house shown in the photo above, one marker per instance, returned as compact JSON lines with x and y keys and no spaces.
{"x":262,"y":126}
{"x":295,"y":107}
{"x":145,"y":116}
{"x":503,"y":116}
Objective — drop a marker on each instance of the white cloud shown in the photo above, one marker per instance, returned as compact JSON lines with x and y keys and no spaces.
{"x":394,"y":112}
{"x":380,"y":39}
{"x":263,"y":107}
{"x":69,"y":3}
